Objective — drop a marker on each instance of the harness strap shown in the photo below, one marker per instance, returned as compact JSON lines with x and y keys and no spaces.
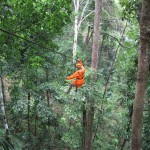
{"x":80,"y":78}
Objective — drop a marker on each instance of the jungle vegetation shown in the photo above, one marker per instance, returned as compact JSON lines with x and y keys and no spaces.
{"x":40,"y":41}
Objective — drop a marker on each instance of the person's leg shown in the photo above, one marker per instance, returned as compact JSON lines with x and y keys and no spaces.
{"x":70,"y":87}
{"x":76,"y":89}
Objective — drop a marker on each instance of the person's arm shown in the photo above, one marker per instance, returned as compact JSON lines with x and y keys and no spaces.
{"x":74,"y":75}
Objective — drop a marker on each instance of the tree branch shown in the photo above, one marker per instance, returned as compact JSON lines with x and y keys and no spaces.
{"x":87,"y":15}
{"x":32,"y":42}
{"x":114,"y":38}
{"x":81,"y":2}
{"x":27,"y":26}
{"x":82,"y":14}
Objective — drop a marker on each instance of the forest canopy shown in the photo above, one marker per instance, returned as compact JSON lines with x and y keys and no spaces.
{"x":40,"y":43}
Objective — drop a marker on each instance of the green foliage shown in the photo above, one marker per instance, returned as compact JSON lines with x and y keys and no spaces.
{"x":146,"y":117}
{"x":146,"y":128}
{"x":26,"y":64}
{"x":131,"y":9}
{"x":40,"y":113}
{"x":4,"y":144}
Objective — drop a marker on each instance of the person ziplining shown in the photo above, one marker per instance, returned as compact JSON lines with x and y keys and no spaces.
{"x":78,"y":76}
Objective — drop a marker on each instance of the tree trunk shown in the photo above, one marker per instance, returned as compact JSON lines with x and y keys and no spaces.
{"x":94,"y":66}
{"x":77,"y":23}
{"x":48,"y":97}
{"x":89,"y":128}
{"x":29,"y":97}
{"x":84,"y":122}
{"x":143,"y":67}
{"x":76,"y":10}
{"x":95,"y":49}
{"x":2,"y":106}
{"x":35,"y":124}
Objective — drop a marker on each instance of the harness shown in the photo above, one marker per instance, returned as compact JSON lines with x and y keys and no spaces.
{"x":80,"y":78}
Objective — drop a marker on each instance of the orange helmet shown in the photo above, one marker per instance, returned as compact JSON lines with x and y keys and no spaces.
{"x":79,"y":65}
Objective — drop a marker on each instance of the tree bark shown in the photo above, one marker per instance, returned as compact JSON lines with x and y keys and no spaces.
{"x":95,"y":48}
{"x":94,"y":66}
{"x":89,"y":128}
{"x":143,"y":68}
{"x":84,"y":122}
{"x":2,"y":106}
{"x":77,"y":23}
{"x":48,"y":97}
{"x":76,"y":10}
{"x":29,"y":97}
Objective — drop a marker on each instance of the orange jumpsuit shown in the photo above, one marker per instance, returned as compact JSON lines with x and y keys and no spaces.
{"x":79,"y":77}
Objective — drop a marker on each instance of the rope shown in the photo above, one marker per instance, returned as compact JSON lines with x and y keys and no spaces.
{"x":29,"y":41}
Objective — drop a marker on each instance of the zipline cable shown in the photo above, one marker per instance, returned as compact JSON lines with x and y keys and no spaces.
{"x":29,"y":41}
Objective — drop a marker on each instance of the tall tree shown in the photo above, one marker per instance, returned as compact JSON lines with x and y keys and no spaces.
{"x":94,"y":66}
{"x":77,"y":22}
{"x":76,"y":10}
{"x":2,"y":106}
{"x":143,"y":69}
